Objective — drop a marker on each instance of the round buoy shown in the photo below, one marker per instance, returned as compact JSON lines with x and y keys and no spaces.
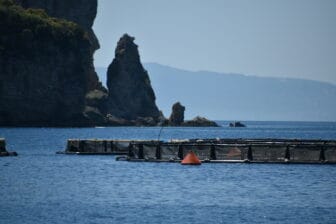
{"x":191,"y":159}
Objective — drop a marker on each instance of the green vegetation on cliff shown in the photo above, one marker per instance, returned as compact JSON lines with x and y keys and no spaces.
{"x":45,"y":67}
{"x":24,"y":27}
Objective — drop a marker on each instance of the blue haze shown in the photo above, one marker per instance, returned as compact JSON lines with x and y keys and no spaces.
{"x":266,"y":38}
{"x":240,"y":97}
{"x":39,"y":186}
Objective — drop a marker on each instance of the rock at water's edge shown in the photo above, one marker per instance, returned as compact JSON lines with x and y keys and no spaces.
{"x":237,"y":124}
{"x":3,"y":151}
{"x":130,"y":92}
{"x":2,"y":145}
{"x":200,"y":122}
{"x":177,"y":116}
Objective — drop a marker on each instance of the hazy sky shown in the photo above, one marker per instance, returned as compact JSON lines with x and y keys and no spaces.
{"x":284,"y":38}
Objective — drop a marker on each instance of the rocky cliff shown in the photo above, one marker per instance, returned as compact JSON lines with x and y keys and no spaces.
{"x":47,"y":77}
{"x":130,"y":96}
{"x":45,"y":68}
{"x":82,"y":12}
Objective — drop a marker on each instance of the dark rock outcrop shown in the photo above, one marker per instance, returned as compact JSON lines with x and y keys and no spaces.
{"x":131,"y":96}
{"x":83,"y":13}
{"x":117,"y":121}
{"x":237,"y":124}
{"x":47,"y":77}
{"x":44,"y":65}
{"x":3,"y":151}
{"x":199,"y":122}
{"x":177,"y":116}
{"x":2,"y":145}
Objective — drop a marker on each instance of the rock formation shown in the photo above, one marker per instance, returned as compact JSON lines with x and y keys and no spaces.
{"x":3,"y":151}
{"x":130,"y":96}
{"x":237,"y":124}
{"x":47,"y":77}
{"x":200,"y":122}
{"x":2,"y":145}
{"x":44,"y":68}
{"x":177,"y":116}
{"x":82,"y":12}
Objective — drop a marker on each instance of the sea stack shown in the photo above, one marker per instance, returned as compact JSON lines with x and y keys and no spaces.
{"x":130,"y":96}
{"x":177,"y":116}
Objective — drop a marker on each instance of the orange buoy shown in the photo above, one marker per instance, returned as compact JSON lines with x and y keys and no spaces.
{"x":191,"y":159}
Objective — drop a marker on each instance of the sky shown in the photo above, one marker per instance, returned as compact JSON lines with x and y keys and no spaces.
{"x":283,"y":38}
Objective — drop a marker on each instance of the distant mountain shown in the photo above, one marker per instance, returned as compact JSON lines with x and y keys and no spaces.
{"x":240,"y":97}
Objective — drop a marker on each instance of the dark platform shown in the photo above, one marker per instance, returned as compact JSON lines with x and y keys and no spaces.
{"x":289,"y":151}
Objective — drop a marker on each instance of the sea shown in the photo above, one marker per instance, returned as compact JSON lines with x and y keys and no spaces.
{"x":40,"y":186}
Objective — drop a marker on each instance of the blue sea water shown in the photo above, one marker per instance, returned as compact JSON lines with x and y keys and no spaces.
{"x":39,"y":186}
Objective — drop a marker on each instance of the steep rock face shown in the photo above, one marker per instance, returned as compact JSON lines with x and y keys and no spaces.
{"x":82,"y":12}
{"x":177,"y":116}
{"x":43,"y":68}
{"x":130,"y":93}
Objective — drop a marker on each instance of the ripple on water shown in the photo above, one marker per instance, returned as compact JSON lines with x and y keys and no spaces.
{"x":39,"y":186}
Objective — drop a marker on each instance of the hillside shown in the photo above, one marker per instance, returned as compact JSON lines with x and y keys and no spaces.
{"x":240,"y":97}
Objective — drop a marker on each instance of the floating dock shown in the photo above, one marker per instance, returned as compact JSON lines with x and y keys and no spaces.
{"x":3,"y":151}
{"x":101,"y":147}
{"x":212,"y":150}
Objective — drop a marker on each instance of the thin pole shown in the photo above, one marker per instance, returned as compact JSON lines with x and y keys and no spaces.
{"x":160,"y":133}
